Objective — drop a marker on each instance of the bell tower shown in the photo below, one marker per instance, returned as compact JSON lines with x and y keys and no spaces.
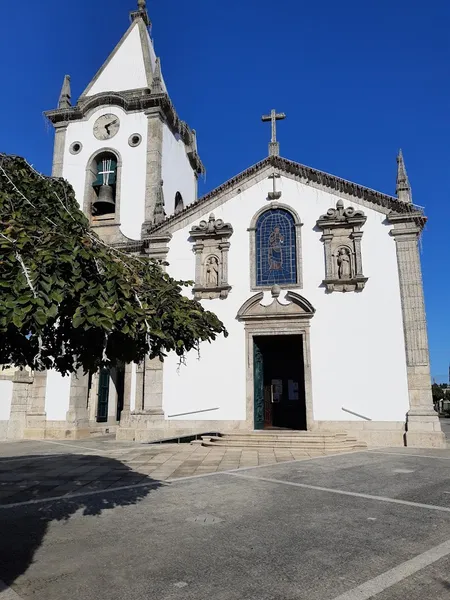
{"x":129,"y":157}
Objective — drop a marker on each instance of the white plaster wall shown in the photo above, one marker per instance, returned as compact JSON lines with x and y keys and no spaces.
{"x":133,"y":174}
{"x":126,"y":69}
{"x":357,"y":343}
{"x":6,"y":390}
{"x":177,"y":173}
{"x":57,"y":396}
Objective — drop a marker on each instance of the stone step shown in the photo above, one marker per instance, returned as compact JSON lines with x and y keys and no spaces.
{"x":285,"y":437}
{"x":294,"y":445}
{"x":271,"y":445}
{"x":294,"y":440}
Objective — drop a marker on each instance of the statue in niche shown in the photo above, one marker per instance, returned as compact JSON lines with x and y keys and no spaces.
{"x":212,"y":272}
{"x":344,"y":264}
{"x":276,"y":240}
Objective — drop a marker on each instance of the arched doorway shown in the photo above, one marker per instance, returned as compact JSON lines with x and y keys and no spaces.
{"x":279,"y":391}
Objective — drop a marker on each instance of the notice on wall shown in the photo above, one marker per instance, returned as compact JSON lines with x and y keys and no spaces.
{"x":292,"y":390}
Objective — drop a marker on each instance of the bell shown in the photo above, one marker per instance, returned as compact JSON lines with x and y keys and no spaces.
{"x":105,"y":204}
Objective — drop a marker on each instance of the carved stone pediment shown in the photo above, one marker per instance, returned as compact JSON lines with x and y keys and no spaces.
{"x":298,"y":308}
{"x":335,"y":217}
{"x":211,"y":227}
{"x":342,"y":240}
{"x":211,"y":246}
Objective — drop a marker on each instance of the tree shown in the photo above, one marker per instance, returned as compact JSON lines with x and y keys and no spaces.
{"x":437,"y":392}
{"x":70,"y":301}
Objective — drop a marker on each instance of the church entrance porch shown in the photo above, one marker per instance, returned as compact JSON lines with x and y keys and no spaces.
{"x":279,"y":382}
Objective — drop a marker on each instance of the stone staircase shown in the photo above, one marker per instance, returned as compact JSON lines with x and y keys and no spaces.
{"x":295,"y":440}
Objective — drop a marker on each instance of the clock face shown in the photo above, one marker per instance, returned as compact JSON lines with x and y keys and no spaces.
{"x":106,"y":127}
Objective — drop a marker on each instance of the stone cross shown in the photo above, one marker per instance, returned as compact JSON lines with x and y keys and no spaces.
{"x":274,"y":146}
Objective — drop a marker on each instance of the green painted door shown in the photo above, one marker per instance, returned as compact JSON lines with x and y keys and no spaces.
{"x":258,"y":381}
{"x":103,"y":396}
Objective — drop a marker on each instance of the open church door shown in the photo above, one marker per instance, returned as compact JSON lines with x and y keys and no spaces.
{"x":258,"y":381}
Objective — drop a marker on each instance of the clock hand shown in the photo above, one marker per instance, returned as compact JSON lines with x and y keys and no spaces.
{"x":109,"y":125}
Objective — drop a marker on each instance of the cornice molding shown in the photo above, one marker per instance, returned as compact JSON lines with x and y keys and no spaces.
{"x":389,"y":205}
{"x":132,"y":101}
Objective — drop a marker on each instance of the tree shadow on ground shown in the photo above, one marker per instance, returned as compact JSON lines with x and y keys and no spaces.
{"x":54,"y":488}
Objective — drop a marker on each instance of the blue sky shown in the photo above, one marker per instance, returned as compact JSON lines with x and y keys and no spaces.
{"x":357,"y":80}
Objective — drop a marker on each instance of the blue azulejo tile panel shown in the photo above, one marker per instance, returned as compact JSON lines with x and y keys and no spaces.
{"x":276,"y":252}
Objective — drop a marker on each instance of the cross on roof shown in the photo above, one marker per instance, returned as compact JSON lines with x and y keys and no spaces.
{"x":274,"y":146}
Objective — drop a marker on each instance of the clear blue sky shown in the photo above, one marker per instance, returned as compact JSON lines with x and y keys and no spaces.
{"x":356,"y":79}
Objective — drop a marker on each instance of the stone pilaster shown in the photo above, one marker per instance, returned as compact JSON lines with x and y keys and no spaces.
{"x":139,"y":402}
{"x":158,"y":246}
{"x":58,"y":149}
{"x":77,"y":416}
{"x":149,"y":388}
{"x":93,"y":398}
{"x":20,"y":402}
{"x":423,"y":426}
{"x":36,"y":415}
{"x":153,"y":386}
{"x":127,"y":392}
{"x":154,"y":164}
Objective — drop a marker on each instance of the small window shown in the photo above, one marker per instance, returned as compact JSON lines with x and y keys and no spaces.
{"x":179,"y":204}
{"x":276,"y":252}
{"x":105,"y":185}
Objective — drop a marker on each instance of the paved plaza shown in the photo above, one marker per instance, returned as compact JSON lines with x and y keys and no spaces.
{"x":105,"y":520}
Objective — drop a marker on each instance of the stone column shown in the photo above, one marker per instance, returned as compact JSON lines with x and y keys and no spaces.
{"x":58,"y":149}
{"x":153,"y":386}
{"x":22,"y":381}
{"x":423,"y":428}
{"x":327,"y":239}
{"x":198,"y":249}
{"x":77,"y":416}
{"x":356,"y":236}
{"x":224,"y":249}
{"x":36,"y":415}
{"x":127,"y":392}
{"x":139,"y":402}
{"x":154,"y":164}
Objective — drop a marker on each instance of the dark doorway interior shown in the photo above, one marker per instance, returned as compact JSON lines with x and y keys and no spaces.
{"x":279,"y":380}
{"x":103,"y":396}
{"x":118,"y":377}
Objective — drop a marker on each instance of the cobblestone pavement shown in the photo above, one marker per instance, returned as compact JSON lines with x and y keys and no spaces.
{"x":30,"y":470}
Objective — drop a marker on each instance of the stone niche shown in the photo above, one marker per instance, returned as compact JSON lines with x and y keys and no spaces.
{"x":342,"y":240}
{"x":211,"y":245}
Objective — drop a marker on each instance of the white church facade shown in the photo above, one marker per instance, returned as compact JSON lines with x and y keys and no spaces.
{"x":317,"y":280}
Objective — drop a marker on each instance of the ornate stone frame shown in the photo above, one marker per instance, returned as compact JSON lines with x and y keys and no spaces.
{"x":211,"y":239}
{"x":293,"y":318}
{"x":298,"y":242}
{"x":342,"y":231}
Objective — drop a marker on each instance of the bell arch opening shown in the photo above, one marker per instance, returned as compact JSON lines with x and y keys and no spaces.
{"x":102,"y":187}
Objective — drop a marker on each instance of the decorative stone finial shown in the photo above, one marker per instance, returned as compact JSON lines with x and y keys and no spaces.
{"x":157,"y":87}
{"x":64,"y":97}
{"x":403,"y":189}
{"x":159,"y":214}
{"x":275,"y":291}
{"x":141,"y":13}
